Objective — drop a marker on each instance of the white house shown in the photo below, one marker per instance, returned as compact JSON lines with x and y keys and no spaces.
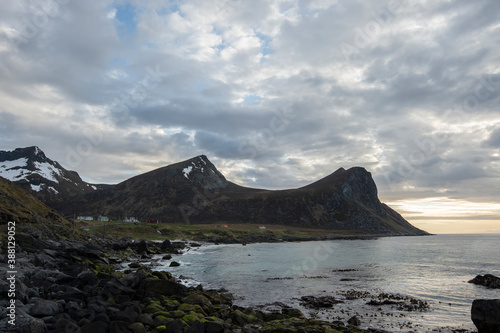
{"x":103,"y":218}
{"x":131,"y":219}
{"x":85,"y":218}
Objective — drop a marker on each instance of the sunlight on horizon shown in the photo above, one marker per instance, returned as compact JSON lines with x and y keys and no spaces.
{"x":443,"y":215}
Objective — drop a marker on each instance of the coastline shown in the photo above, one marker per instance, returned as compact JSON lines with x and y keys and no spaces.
{"x":92,"y":266}
{"x":390,"y":302}
{"x":74,"y":285}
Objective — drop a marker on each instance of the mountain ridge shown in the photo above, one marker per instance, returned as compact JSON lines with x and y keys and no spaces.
{"x":44,"y":178}
{"x":194,"y":191}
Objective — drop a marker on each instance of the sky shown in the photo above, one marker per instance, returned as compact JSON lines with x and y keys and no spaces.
{"x":277,"y":94}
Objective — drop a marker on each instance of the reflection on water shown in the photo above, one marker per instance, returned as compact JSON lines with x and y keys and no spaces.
{"x":433,"y":269}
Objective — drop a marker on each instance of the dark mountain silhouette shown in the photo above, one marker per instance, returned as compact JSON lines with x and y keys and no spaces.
{"x":194,"y":191}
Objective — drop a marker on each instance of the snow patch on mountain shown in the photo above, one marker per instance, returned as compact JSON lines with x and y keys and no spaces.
{"x":36,"y":188}
{"x":48,"y":171}
{"x":13,"y":170}
{"x":187,"y":171}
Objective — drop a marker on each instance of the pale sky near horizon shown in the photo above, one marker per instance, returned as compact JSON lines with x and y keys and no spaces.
{"x":277,"y":94}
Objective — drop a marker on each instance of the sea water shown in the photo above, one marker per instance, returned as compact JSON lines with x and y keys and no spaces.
{"x":434,"y":269}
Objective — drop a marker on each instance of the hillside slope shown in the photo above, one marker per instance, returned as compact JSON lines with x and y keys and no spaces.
{"x":18,"y":205}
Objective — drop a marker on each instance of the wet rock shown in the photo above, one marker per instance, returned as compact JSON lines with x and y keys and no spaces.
{"x":293,"y":313}
{"x":354,"y":320}
{"x":174,"y":264}
{"x":487,"y":280}
{"x":166,"y":245}
{"x":319,"y":302}
{"x":485,"y":314}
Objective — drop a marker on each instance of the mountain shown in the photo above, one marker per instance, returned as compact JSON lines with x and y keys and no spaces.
{"x":194,"y":191}
{"x":46,"y":179}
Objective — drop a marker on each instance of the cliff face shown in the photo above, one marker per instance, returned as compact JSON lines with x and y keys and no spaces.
{"x":194,"y":191}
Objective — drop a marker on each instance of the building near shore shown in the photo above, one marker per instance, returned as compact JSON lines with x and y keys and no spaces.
{"x":103,"y":218}
{"x":85,"y":218}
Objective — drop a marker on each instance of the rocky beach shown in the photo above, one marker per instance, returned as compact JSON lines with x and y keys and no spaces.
{"x":65,"y":285}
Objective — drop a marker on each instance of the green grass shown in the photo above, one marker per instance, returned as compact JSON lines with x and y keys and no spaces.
{"x":204,"y":231}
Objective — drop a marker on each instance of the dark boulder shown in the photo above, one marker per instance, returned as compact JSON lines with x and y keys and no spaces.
{"x":354,"y":320}
{"x":485,"y":314}
{"x":96,"y":327}
{"x":319,"y":302}
{"x":27,"y":324}
{"x":142,"y":247}
{"x":44,"y":308}
{"x":487,"y":280}
{"x":166,"y":245}
{"x":156,"y":287}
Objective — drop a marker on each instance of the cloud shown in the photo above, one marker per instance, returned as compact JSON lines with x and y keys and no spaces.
{"x":277,"y":93}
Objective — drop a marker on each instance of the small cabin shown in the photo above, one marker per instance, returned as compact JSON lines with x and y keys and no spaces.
{"x":85,"y":218}
{"x":103,"y":218}
{"x":153,"y":221}
{"x":131,"y":219}
{"x":262,"y":227}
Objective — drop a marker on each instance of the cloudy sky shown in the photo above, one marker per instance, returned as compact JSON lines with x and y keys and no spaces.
{"x":277,"y":93}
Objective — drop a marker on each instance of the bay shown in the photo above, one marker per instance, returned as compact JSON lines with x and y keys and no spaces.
{"x":433,"y":269}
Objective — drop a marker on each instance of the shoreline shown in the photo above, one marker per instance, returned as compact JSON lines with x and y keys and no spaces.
{"x":389,"y":305}
{"x":76,"y":267}
{"x":74,"y":285}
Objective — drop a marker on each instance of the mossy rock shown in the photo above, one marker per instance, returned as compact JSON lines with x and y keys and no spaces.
{"x":161,"y":328}
{"x":161,"y":318}
{"x":242,"y":319}
{"x":154,"y":307}
{"x":191,"y":307}
{"x":177,"y":314}
{"x":162,"y":275}
{"x":293,"y":313}
{"x":190,"y":318}
{"x":212,"y":319}
{"x":201,"y":300}
{"x":169,"y":304}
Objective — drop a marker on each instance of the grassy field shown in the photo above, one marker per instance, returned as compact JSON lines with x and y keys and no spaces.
{"x":202,"y":231}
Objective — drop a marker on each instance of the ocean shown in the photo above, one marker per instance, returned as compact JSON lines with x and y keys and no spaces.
{"x":432,"y":269}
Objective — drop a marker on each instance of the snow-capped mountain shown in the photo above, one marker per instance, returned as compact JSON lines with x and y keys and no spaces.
{"x":44,"y":178}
